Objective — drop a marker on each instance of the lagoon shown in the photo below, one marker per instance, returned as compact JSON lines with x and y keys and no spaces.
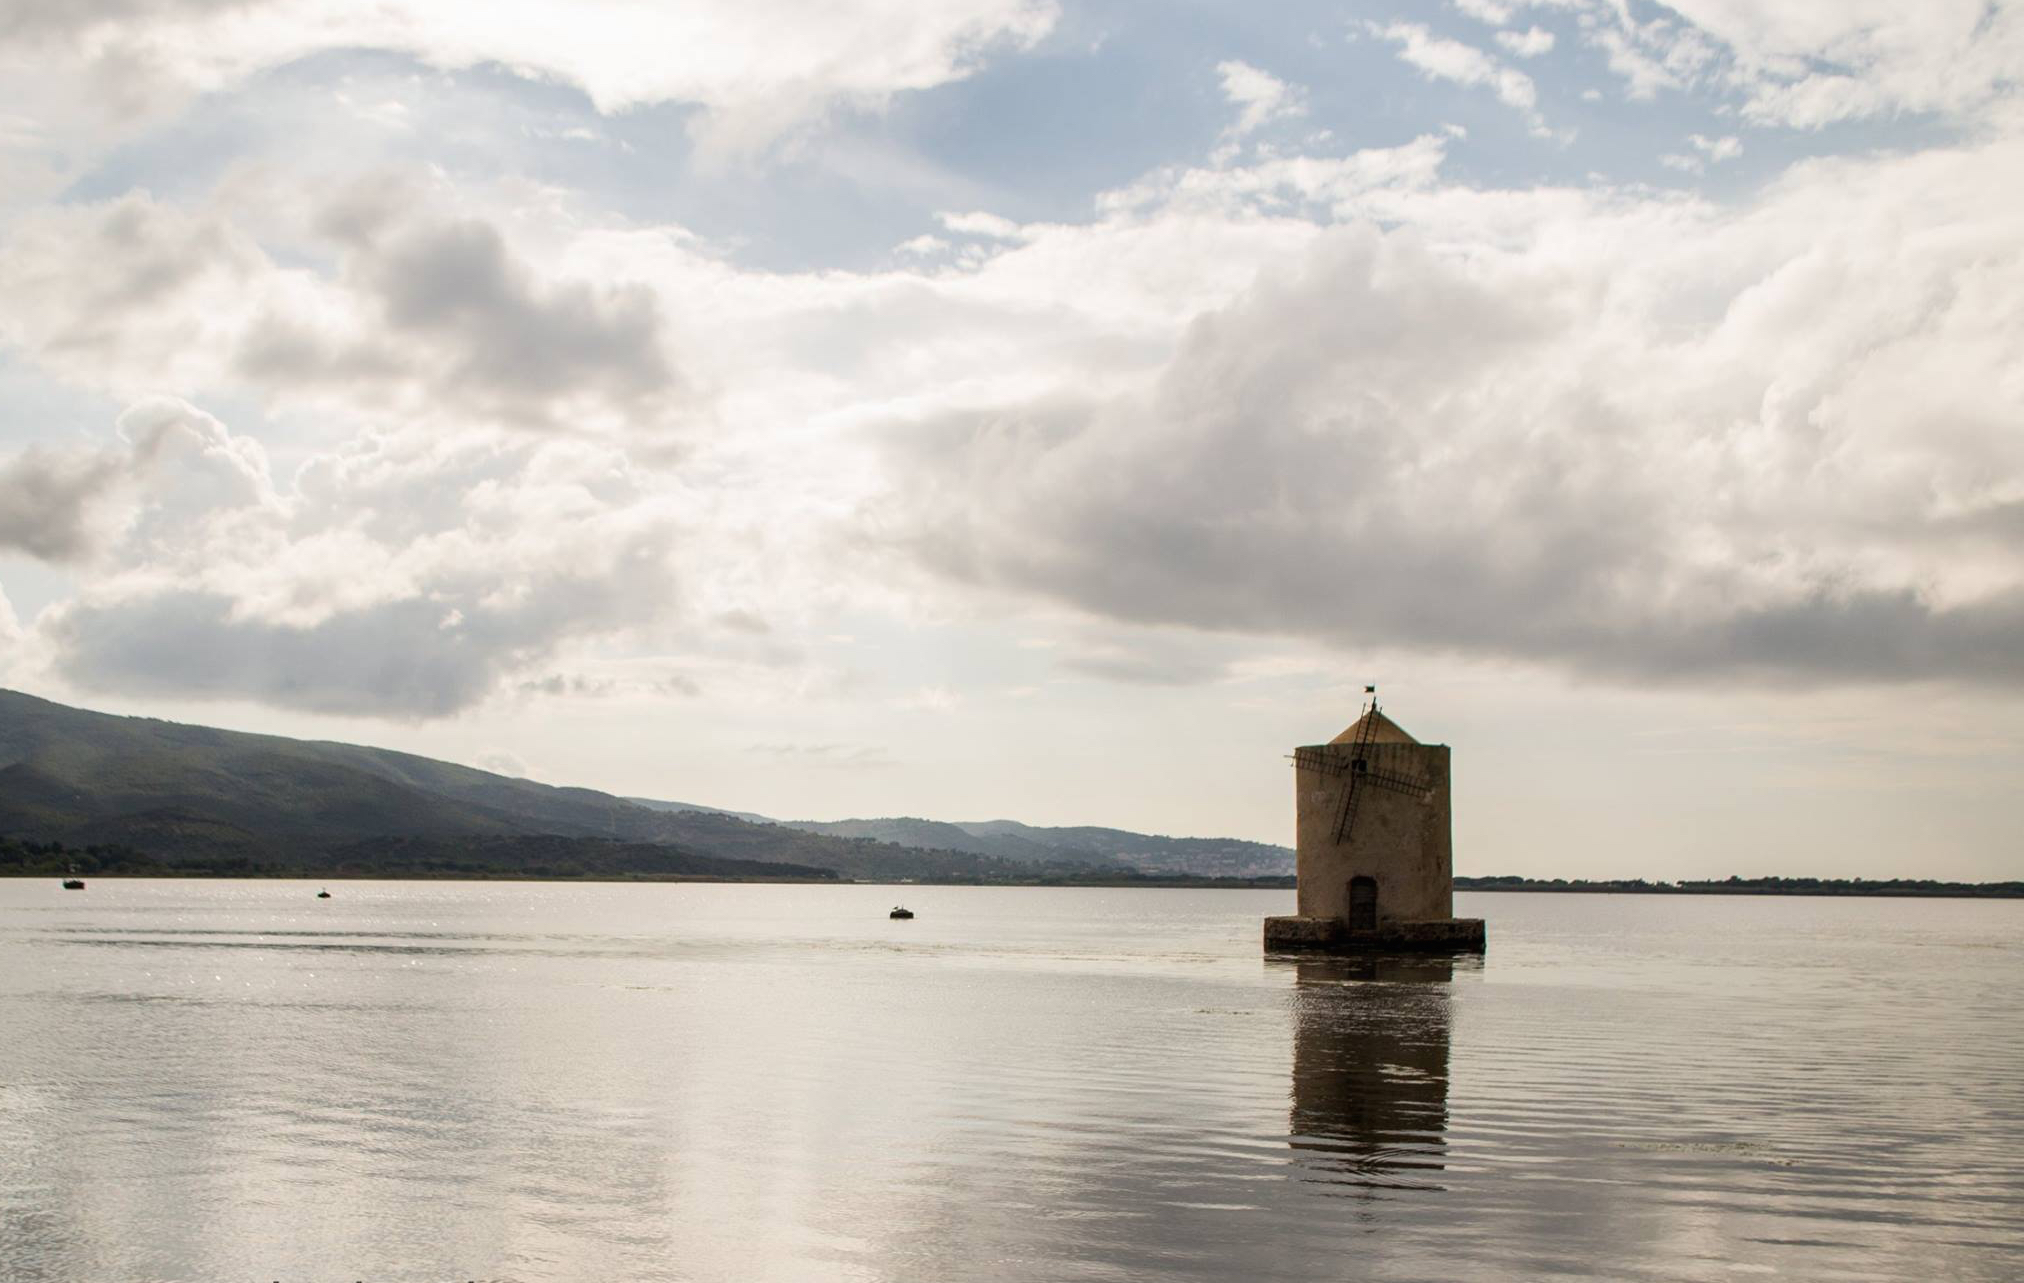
{"x":217,"y":1080}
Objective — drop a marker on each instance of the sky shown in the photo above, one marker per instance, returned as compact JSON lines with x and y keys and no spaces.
{"x":1047,"y":410}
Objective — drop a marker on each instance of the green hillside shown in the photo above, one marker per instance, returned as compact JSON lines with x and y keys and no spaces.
{"x":184,"y":794}
{"x":452,"y":857}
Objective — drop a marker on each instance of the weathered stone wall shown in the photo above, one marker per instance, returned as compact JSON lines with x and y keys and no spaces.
{"x":1401,"y":840}
{"x":1332,"y":935}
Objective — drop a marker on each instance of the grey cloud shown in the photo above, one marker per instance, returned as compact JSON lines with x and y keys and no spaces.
{"x":1869,"y":635}
{"x":66,"y":505}
{"x":1394,"y":448}
{"x":395,"y":660}
{"x":508,"y":336}
{"x":558,"y":684}
{"x":456,"y":312}
{"x":49,"y":501}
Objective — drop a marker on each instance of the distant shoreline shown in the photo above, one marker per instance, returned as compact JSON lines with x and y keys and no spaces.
{"x":1848,"y":889}
{"x":1182,"y":881}
{"x":1840,"y":888}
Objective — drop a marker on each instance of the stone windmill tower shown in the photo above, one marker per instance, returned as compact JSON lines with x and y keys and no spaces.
{"x":1376,"y":859}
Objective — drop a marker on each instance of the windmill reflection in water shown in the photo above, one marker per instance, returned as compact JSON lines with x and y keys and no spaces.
{"x":1370,"y":1070}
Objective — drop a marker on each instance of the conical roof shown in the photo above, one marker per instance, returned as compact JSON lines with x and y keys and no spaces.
{"x":1384,"y":731}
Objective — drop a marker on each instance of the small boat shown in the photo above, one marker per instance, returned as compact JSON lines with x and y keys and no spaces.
{"x":323,"y":895}
{"x":73,"y":884}
{"x":899,"y":912}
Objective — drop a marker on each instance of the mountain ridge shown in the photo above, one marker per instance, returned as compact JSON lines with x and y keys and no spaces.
{"x":194,"y":793}
{"x":1080,"y":844}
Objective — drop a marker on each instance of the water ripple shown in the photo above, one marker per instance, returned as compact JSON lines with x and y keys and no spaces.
{"x":546,"y":1082}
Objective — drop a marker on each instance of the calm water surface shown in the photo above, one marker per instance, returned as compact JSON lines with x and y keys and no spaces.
{"x":434,"y":1081}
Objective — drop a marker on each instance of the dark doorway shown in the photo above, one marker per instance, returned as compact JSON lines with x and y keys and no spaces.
{"x":1363,"y":904}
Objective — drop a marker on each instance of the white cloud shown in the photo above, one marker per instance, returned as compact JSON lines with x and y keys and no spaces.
{"x":1440,"y":58}
{"x":1526,"y":44}
{"x":1494,"y":12}
{"x":1811,"y":65}
{"x":759,"y":69}
{"x":1802,"y":64}
{"x":926,"y":245}
{"x":1259,"y":96}
{"x":399,"y":577}
{"x":1706,"y":151}
{"x":980,"y":223}
{"x":423,"y":315}
{"x":1717,"y":150}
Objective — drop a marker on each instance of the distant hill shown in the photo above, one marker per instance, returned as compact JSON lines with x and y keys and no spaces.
{"x":1011,"y":840}
{"x":907,"y":831}
{"x":1206,"y":857}
{"x":655,"y":804}
{"x":193,"y":793}
{"x":199,"y":797}
{"x":542,"y":856}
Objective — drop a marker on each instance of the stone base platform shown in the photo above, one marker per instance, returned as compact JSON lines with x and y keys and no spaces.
{"x":1332,"y":935}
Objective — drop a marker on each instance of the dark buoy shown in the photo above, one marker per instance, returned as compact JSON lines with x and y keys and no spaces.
{"x":323,"y":895}
{"x":899,"y":912}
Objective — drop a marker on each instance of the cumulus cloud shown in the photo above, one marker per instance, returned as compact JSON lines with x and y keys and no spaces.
{"x":50,"y":500}
{"x":450,"y":302}
{"x":1621,"y":431}
{"x":1607,"y":432}
{"x":398,"y":578}
{"x":66,"y":505}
